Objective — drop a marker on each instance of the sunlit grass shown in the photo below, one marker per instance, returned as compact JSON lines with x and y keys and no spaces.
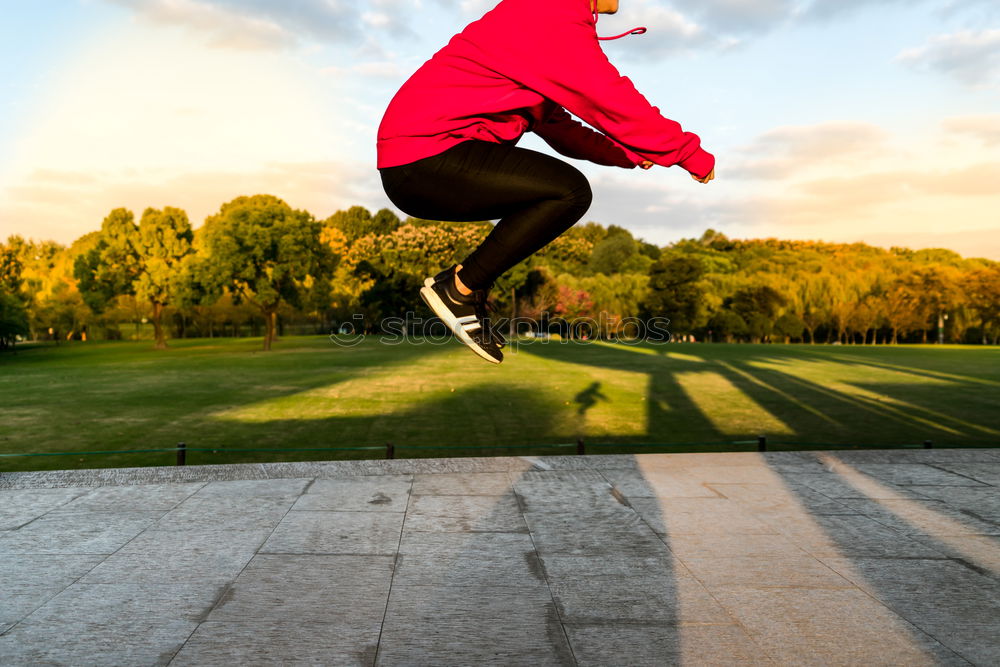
{"x":226,"y":394}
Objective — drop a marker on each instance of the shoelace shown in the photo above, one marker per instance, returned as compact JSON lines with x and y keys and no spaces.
{"x":634,"y":31}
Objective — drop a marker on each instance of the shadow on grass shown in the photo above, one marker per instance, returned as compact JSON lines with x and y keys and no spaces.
{"x":855,"y":410}
{"x":124,"y":396}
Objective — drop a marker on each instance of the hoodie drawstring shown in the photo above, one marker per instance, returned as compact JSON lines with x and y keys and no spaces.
{"x":634,"y":31}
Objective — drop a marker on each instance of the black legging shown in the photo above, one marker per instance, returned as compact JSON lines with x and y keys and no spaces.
{"x":535,"y":196}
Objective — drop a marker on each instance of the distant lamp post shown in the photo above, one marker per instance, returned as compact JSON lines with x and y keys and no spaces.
{"x":941,"y":320}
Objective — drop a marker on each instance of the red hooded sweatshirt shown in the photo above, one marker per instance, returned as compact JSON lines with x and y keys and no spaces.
{"x":520,"y":68}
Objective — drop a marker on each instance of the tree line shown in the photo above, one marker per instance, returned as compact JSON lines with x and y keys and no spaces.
{"x":260,"y":267}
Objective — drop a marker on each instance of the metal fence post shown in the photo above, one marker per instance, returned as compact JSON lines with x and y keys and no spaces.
{"x":580,"y":451}
{"x":390,"y":450}
{"x":761,"y":443}
{"x":181,"y":453}
{"x":928,"y":444}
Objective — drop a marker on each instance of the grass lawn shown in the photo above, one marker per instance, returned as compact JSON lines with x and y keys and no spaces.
{"x":441,"y":400}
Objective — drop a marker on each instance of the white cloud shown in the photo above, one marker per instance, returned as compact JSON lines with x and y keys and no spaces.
{"x":738,"y":16}
{"x":988,"y":8}
{"x":971,"y":56}
{"x":985,"y":127}
{"x":787,"y":151}
{"x":270,"y":24}
{"x":827,"y":9}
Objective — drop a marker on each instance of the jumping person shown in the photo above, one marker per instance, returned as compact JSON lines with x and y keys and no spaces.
{"x":447,"y":143}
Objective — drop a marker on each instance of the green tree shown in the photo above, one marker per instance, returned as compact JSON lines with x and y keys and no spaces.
{"x":354,"y":223}
{"x":13,"y":319}
{"x":674,"y":292}
{"x":11,"y":264}
{"x":789,"y":326}
{"x":900,"y":307}
{"x":13,"y":311}
{"x":611,"y":254}
{"x":728,"y":325}
{"x":761,"y":299}
{"x":262,"y":251}
{"x":983,"y":289}
{"x":143,"y":260}
{"x":937,"y":292}
{"x":758,"y":307}
{"x":811,"y":299}
{"x":385,"y":222}
{"x":108,"y":267}
{"x":162,"y":243}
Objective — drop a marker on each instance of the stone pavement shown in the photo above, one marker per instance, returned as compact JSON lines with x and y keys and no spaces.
{"x":829,"y":558}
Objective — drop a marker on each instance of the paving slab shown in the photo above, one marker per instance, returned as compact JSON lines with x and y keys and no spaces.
{"x":920,"y":474}
{"x":286,"y":642}
{"x":317,"y":590}
{"x":465,"y":514}
{"x":477,"y":560}
{"x":22,"y":507}
{"x":733,"y":546}
{"x":213,"y":566}
{"x":983,"y":472}
{"x":317,"y":532}
{"x":388,"y":493}
{"x":593,"y":532}
{"x":830,"y":627}
{"x":787,"y":571}
{"x":859,"y":486}
{"x":939,"y":517}
{"x":28,"y":581}
{"x":462,"y":484}
{"x":666,"y":596}
{"x":236,"y":513}
{"x":699,"y":516}
{"x":813,"y":558}
{"x":659,"y":484}
{"x":964,"y":596}
{"x":147,"y":497}
{"x":658,"y":644}
{"x":456,"y":625}
{"x":84,"y":532}
{"x":978,"y":551}
{"x":979,"y":502}
{"x":932,"y":456}
{"x":105,"y":624}
{"x":852,"y":535}
{"x":768,"y":501}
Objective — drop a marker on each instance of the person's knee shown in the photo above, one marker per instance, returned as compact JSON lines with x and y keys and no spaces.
{"x":579,"y":196}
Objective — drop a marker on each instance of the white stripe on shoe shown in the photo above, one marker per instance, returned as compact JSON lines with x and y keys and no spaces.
{"x":457,"y":327}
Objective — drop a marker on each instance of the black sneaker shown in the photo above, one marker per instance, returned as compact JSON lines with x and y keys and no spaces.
{"x":464,"y":314}
{"x":449,"y":274}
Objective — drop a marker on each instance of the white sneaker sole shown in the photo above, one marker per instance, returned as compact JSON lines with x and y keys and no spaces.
{"x":431,"y":298}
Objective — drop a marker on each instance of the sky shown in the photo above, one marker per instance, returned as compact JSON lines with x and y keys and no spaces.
{"x":831,"y":120}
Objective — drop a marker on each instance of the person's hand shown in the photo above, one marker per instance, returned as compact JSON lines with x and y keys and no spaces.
{"x":645,"y":164}
{"x":710,"y":176}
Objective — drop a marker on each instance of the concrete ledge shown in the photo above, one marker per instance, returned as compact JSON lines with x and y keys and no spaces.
{"x":219,"y":472}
